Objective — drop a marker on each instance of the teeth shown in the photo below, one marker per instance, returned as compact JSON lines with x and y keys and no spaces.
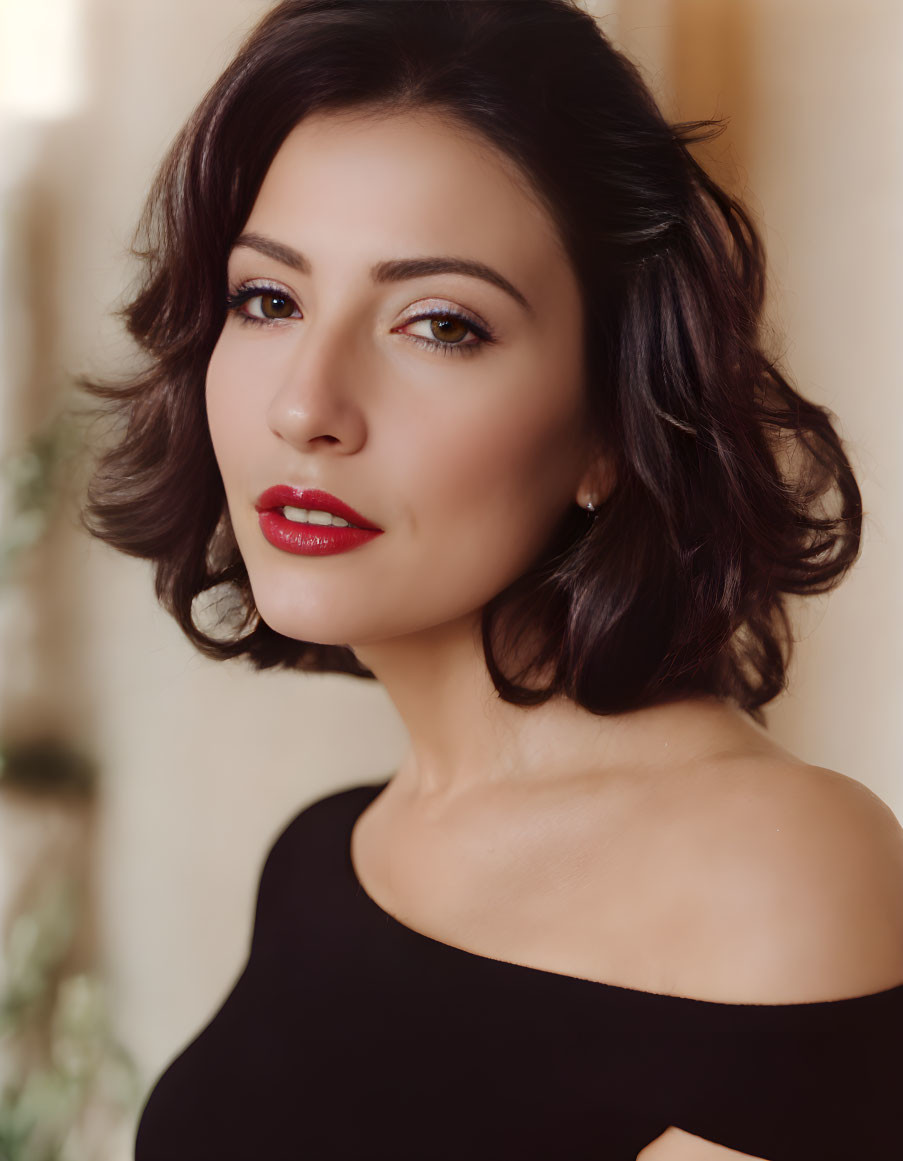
{"x":313,"y":516}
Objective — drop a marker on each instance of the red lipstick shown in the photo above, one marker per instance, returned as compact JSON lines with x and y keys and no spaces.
{"x":310,"y":539}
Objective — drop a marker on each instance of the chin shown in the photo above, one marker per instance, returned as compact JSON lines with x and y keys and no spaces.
{"x":316,"y":630}
{"x":299,"y":612}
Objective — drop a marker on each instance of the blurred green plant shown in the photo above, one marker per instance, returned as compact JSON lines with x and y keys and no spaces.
{"x":30,"y":487}
{"x":46,"y":766}
{"x":64,"y":1077}
{"x":76,"y":1073}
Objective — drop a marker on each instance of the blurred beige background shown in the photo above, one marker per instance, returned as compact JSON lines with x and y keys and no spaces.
{"x":203,"y":763}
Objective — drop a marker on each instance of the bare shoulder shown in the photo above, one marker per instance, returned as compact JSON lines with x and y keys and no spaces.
{"x":799,"y":870}
{"x":790,"y":877}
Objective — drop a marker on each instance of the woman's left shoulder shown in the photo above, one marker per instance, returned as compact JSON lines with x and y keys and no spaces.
{"x":801,"y":867}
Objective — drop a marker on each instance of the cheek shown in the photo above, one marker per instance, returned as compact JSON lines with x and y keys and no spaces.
{"x":228,"y":403}
{"x":499,"y":483}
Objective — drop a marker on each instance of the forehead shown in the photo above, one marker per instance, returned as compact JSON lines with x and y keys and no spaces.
{"x":362,"y":182}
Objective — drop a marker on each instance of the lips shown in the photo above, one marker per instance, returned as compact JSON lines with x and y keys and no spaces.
{"x":311,"y":498}
{"x":305,"y":539}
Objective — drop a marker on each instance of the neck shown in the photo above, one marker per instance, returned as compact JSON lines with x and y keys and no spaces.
{"x":464,"y":737}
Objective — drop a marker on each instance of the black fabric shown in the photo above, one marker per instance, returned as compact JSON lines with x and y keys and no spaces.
{"x":349,"y":1035}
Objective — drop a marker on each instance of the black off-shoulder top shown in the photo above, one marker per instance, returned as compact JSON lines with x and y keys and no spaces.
{"x":350,"y":1036}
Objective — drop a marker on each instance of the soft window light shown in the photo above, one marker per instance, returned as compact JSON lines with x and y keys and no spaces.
{"x":41,"y":58}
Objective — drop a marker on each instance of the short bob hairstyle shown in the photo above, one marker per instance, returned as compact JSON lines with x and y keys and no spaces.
{"x":676,"y":585}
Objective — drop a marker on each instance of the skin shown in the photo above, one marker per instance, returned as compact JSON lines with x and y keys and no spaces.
{"x":545,"y":836}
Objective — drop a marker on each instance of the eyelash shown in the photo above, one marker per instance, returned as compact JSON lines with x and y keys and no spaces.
{"x":236,"y":299}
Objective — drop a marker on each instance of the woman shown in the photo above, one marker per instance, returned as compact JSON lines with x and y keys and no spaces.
{"x":455,"y":382}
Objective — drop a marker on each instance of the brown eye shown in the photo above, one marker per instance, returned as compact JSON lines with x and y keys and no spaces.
{"x":449,"y":329}
{"x":276,"y":306}
{"x":262,"y":304}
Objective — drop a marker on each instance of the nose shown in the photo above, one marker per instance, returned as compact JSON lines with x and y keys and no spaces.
{"x":315,"y":405}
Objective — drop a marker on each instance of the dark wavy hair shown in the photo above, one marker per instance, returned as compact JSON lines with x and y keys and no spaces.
{"x":732,"y":489}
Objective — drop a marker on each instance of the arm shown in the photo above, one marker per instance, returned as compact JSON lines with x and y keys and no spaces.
{"x":676,"y":1145}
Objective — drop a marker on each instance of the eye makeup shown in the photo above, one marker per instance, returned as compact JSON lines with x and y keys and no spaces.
{"x":272,"y":298}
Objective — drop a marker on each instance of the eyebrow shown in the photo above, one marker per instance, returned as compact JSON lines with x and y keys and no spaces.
{"x":394,"y":270}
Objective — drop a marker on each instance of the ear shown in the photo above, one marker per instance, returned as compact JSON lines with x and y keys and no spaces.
{"x":597,"y":482}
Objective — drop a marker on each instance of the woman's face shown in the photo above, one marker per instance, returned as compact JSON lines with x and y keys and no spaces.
{"x":462,"y":438}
